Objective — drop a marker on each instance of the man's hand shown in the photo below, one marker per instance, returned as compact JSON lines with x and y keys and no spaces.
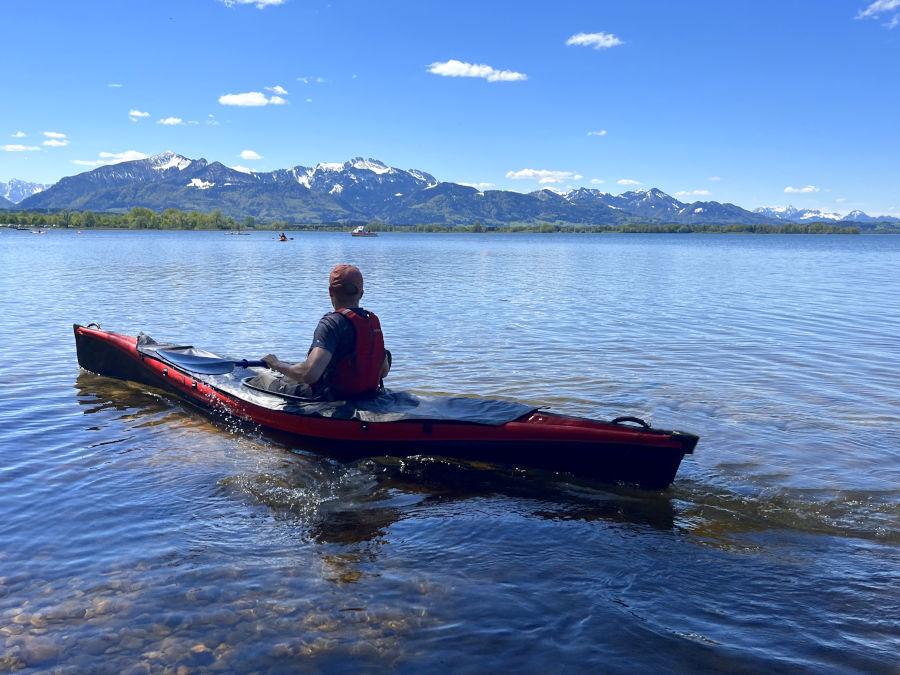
{"x":308,"y":371}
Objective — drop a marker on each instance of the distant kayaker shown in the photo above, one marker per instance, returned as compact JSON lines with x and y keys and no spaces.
{"x":282,"y":237}
{"x":347,"y":358}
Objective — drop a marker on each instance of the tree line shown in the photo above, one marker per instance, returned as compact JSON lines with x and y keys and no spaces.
{"x":140,"y":218}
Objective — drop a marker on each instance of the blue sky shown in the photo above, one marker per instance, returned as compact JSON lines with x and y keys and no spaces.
{"x":755,"y":103}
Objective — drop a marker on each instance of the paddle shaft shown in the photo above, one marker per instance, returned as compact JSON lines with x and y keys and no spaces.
{"x":206,"y":365}
{"x":244,"y":363}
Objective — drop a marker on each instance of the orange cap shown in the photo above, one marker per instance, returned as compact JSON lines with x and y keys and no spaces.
{"x":346,"y":280}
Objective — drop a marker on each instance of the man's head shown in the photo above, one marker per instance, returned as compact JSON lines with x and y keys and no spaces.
{"x":345,"y":285}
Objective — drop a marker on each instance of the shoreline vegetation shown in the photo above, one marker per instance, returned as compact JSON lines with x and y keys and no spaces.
{"x":173,"y":219}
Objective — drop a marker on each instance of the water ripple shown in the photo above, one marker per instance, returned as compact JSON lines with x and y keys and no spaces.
{"x":141,"y":534}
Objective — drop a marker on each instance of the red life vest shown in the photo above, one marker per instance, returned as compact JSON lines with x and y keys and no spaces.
{"x":359,"y":373}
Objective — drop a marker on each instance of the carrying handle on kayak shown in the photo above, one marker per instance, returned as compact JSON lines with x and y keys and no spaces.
{"x":631,"y":418}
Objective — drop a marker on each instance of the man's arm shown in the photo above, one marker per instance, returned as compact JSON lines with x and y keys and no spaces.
{"x":308,"y":371}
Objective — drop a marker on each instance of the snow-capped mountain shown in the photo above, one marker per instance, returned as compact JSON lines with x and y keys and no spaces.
{"x":16,"y":190}
{"x":861,"y":217}
{"x":792,"y":215}
{"x":68,"y":192}
{"x":355,"y":181}
{"x":654,"y":205}
{"x":359,"y":180}
{"x":367,"y":189}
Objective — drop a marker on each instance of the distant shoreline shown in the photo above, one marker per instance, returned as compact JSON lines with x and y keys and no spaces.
{"x":172,"y":219}
{"x":463,"y":230}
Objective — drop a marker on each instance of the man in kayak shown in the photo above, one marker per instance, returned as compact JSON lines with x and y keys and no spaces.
{"x":347,"y":358}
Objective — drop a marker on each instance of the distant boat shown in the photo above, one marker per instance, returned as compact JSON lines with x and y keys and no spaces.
{"x":247,"y":234}
{"x":39,"y":232}
{"x":363,"y":231}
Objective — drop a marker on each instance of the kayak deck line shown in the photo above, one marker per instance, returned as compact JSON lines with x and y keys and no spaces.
{"x":625,"y":450}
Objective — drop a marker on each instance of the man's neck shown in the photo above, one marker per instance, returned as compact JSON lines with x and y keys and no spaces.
{"x":344,"y":303}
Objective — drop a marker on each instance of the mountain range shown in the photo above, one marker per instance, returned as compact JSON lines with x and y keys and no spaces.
{"x":16,"y":190}
{"x":367,"y":190}
{"x":792,"y":215}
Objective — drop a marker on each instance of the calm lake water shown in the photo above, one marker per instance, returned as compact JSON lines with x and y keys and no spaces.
{"x":139,"y":535}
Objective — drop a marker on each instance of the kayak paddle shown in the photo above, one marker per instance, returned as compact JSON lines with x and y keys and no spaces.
{"x":206,"y":365}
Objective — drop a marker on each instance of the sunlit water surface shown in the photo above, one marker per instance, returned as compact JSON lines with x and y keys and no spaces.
{"x":139,"y":535}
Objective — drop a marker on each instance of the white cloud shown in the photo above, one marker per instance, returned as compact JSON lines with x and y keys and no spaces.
{"x":20,"y":148}
{"x":114,"y":86}
{"x":278,"y":89}
{"x":136,"y":114}
{"x":595,"y":40}
{"x":249,"y":154}
{"x":715,"y":178}
{"x":879,"y":7}
{"x":126,"y":156}
{"x":251,"y":99}
{"x":242,"y":169}
{"x":479,"y":186}
{"x":55,"y":143}
{"x":311,"y":80}
{"x":260,"y":4}
{"x":692,"y":193}
{"x":597,"y":181}
{"x":628,"y":181}
{"x":802,"y":190}
{"x":19,"y":134}
{"x":602,"y":132}
{"x":111,"y":158}
{"x":454,"y":68}
{"x":53,"y":134}
{"x":875,"y":10}
{"x":543,"y":176}
{"x":171,"y":121}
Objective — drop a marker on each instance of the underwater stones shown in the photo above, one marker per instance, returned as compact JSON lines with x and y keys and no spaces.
{"x":37,"y":649}
{"x":107,"y":605}
{"x":66,"y":612}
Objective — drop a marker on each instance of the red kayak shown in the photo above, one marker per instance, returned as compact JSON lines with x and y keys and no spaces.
{"x":625,"y":450}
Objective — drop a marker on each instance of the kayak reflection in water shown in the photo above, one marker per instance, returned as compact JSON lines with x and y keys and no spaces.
{"x":347,"y":358}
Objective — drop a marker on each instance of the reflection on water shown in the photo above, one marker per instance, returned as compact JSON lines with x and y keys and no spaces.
{"x":141,"y":535}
